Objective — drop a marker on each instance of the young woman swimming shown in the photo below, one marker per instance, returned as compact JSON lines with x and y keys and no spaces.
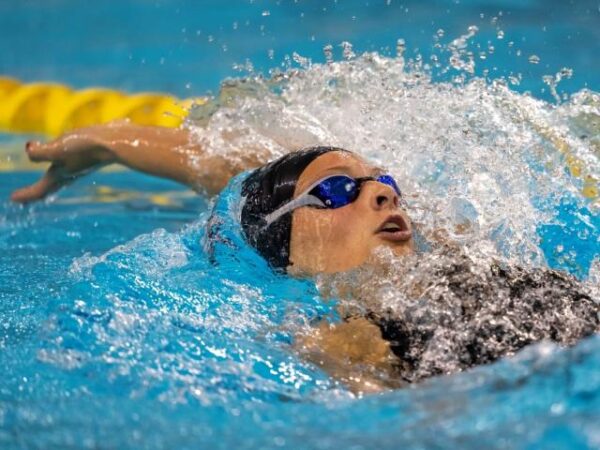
{"x":325,"y":210}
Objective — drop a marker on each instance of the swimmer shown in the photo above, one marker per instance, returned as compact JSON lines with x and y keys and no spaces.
{"x":322,"y":210}
{"x":343,"y":207}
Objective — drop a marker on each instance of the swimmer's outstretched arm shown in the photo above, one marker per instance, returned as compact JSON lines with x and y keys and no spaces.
{"x":164,"y":152}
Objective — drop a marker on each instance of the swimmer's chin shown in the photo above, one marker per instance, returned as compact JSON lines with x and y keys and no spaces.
{"x":405,"y":248}
{"x":397,"y":249}
{"x":383,"y":255}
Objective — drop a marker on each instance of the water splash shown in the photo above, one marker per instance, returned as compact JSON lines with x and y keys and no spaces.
{"x":483,"y":166}
{"x":466,"y":154}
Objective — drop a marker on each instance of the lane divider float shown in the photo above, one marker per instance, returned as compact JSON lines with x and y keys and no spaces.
{"x":53,"y":109}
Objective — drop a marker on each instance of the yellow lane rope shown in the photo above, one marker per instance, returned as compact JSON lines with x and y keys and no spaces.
{"x":52,"y":108}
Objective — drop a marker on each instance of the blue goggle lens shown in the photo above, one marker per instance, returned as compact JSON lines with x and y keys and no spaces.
{"x":387,"y":179}
{"x":336,"y":191}
{"x":340,"y":190}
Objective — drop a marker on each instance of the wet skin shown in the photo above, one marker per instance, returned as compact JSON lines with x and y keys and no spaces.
{"x":336,"y":240}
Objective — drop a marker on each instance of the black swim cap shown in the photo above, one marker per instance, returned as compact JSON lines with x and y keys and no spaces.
{"x":265,"y":190}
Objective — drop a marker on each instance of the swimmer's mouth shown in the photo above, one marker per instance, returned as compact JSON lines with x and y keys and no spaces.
{"x":394,"y":229}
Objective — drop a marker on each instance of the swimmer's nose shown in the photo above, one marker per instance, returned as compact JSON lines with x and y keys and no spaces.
{"x":383,"y":196}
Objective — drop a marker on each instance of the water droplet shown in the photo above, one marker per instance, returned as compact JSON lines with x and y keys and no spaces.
{"x":440,"y":32}
{"x":328,"y":52}
{"x":400,"y":47}
{"x":303,"y":61}
{"x":347,"y":50}
{"x":266,"y":12}
{"x":211,"y":38}
{"x":534,"y":59}
{"x":566,"y":72}
{"x":271,"y":53}
{"x":515,"y":80}
{"x":500,"y":34}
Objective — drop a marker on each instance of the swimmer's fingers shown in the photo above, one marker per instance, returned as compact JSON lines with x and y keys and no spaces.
{"x":51,"y":181}
{"x":55,"y":150}
{"x":76,"y":147}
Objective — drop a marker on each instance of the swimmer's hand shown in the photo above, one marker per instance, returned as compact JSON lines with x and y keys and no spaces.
{"x":164,"y":152}
{"x":71,"y":156}
{"x":353,"y":352}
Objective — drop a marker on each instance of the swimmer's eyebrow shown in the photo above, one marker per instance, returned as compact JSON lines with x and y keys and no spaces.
{"x":349,"y":170}
{"x":342,"y":168}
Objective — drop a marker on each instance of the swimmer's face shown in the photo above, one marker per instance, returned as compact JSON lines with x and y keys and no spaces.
{"x":335,"y":240}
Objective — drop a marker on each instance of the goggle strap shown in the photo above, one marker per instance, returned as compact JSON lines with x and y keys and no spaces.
{"x":303,"y":200}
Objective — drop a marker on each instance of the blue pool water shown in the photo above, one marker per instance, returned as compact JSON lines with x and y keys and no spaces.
{"x":121,"y":328}
{"x":187,"y":47}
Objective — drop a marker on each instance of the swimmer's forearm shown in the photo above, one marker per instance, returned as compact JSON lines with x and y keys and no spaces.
{"x":165,"y":152}
{"x":159,"y":151}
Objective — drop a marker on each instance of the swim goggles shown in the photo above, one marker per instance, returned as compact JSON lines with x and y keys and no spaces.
{"x":331,"y":192}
